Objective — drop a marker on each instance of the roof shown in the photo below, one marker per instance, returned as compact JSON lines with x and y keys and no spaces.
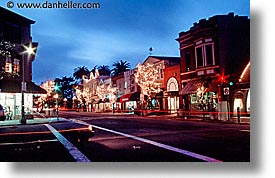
{"x":11,"y":86}
{"x":9,"y":16}
{"x":171,"y":59}
{"x":214,"y":21}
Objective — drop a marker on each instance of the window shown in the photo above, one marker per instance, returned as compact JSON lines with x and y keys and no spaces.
{"x":8,"y":66}
{"x":199,"y":57}
{"x":205,"y":55}
{"x":161,"y":73}
{"x":187,"y":56}
{"x":16,"y":65}
{"x":209,"y":55}
{"x":125,"y":85}
{"x":119,"y":86}
{"x":172,"y":84}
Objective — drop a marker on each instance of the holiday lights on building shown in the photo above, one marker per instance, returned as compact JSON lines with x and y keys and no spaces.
{"x":147,"y":78}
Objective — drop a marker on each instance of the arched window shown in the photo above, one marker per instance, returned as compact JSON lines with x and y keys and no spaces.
{"x":172,"y":84}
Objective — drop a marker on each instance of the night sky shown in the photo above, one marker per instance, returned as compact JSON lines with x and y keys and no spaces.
{"x":118,"y":30}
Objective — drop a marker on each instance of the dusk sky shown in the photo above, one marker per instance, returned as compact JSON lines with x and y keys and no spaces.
{"x":118,"y":30}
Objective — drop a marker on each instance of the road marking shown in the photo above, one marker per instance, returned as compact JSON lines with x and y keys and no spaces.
{"x":78,"y":156}
{"x":161,"y":145}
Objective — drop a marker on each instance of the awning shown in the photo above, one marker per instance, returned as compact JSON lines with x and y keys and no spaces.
{"x":9,"y":86}
{"x":130,"y":97}
{"x":192,"y":87}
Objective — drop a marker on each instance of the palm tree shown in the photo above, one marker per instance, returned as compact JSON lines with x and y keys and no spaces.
{"x":104,"y":70}
{"x":79,"y":72}
{"x":119,"y":67}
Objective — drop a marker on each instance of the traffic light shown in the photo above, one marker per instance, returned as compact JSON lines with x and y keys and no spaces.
{"x":56,"y":87}
{"x":231,"y":83}
{"x":221,"y":78}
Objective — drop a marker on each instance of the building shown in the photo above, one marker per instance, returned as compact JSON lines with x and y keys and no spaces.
{"x":172,"y":87}
{"x":161,"y":63}
{"x":118,"y":82}
{"x":16,"y":69}
{"x":214,"y":53}
{"x":130,"y":100}
{"x":95,"y":92}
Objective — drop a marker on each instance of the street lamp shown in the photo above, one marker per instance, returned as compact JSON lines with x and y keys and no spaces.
{"x":65,"y":102}
{"x":29,"y":50}
{"x":56,"y":97}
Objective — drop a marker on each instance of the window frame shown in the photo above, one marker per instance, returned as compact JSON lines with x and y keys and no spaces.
{"x":204,"y":54}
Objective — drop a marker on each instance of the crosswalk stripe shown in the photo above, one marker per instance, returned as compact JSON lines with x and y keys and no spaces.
{"x":78,"y":155}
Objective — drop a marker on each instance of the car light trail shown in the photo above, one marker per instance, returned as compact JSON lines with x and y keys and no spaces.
{"x":161,"y":145}
{"x":43,"y":132}
{"x":78,"y":156}
{"x":31,"y":142}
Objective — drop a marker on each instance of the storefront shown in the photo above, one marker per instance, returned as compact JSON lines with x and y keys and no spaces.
{"x":200,"y":96}
{"x":241,"y":100}
{"x":11,"y":98}
{"x":172,"y":95}
{"x":130,"y":101}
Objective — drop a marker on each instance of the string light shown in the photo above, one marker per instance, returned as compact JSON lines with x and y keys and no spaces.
{"x":147,"y":78}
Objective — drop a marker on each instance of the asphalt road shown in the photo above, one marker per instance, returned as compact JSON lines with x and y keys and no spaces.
{"x":119,"y":138}
{"x":127,"y":138}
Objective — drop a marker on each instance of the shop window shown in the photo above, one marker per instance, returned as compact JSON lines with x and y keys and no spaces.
{"x":248,"y":101}
{"x":238,"y":102}
{"x":204,"y":103}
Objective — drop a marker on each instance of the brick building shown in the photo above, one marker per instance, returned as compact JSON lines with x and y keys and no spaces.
{"x":214,"y":53}
{"x":171,"y":88}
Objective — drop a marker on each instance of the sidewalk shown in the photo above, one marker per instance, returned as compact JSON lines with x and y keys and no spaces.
{"x":233,"y":120}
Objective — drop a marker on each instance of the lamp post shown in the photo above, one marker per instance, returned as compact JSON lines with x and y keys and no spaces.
{"x":29,"y":50}
{"x":74,"y":98}
{"x":65,"y":103}
{"x":56,"y":99}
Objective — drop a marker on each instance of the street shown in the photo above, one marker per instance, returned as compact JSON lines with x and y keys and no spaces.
{"x":129,"y":138}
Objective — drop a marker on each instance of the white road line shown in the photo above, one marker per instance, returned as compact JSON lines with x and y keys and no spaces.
{"x":161,"y":145}
{"x":78,"y":156}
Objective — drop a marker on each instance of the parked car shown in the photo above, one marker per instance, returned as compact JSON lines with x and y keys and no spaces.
{"x":2,"y":113}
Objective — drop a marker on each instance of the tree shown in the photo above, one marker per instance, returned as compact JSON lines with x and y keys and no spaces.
{"x":119,"y":67}
{"x":104,"y":70}
{"x":107,"y":91}
{"x":147,"y":78}
{"x":46,"y":98}
{"x":79,"y":72}
{"x":66,"y":86}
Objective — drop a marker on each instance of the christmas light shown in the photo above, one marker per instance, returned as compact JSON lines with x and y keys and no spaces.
{"x":147,"y":78}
